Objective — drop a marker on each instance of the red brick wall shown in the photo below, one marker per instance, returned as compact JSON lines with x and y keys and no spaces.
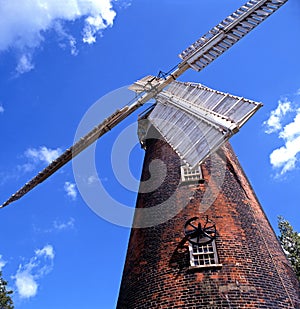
{"x":255,"y":272}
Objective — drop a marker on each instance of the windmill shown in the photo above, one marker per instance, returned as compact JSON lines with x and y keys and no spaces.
{"x":218,"y":116}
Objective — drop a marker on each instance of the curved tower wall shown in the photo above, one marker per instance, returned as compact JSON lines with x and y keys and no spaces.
{"x":253,"y":271}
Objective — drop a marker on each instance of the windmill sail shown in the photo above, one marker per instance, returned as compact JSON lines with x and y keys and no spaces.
{"x":70,"y":153}
{"x":228,"y":32}
{"x":196,"y":120}
{"x":197,"y":56}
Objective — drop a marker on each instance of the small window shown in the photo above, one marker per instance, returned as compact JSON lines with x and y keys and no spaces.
{"x":203,"y":254}
{"x":191,"y":175}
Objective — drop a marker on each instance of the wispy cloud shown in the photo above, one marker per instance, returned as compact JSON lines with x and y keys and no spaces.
{"x":66,"y":40}
{"x":43,"y":154}
{"x":2,"y":262}
{"x":36,"y":156}
{"x":286,"y":157}
{"x":24,"y":24}
{"x":1,"y":109}
{"x":29,"y":274}
{"x":92,"y":180}
{"x":59,"y":226}
{"x":8,"y":176}
{"x":70,"y":189}
{"x":47,"y":251}
{"x":273,"y":124}
{"x":24,"y":64}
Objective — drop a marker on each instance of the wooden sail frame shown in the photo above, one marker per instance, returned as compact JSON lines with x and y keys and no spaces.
{"x":197,"y":56}
{"x":196,"y":120}
{"x":228,"y":32}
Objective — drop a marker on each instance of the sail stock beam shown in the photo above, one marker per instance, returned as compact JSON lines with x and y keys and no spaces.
{"x":69,"y":154}
{"x":148,"y":88}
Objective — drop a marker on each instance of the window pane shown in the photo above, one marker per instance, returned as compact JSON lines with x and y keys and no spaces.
{"x":203,"y":255}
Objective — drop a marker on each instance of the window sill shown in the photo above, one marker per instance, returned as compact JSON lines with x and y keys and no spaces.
{"x":203,"y":267}
{"x":191,"y":182}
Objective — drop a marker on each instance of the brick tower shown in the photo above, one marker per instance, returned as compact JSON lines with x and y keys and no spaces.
{"x":200,"y":238}
{"x":242,"y":267}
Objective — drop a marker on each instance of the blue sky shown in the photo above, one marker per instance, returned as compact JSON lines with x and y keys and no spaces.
{"x":56,"y":61}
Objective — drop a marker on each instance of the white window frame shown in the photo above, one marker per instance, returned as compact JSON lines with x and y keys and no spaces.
{"x":205,"y":256}
{"x":191,"y":175}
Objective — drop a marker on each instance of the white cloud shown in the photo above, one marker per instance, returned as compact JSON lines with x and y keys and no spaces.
{"x":27,"y":167}
{"x":46,"y":251}
{"x":274,"y":124}
{"x":24,"y":65}
{"x":1,"y":109}
{"x":73,"y":47}
{"x":65,"y":36}
{"x":292,"y":130}
{"x":43,"y":154}
{"x":24,"y":24}
{"x":64,"y":225}
{"x":286,"y":157}
{"x":70,"y":189}
{"x":28,"y":275}
{"x":92,"y":180}
{"x":57,"y":226}
{"x":2,"y":262}
{"x":36,"y":156}
{"x":94,"y":24}
{"x":26,"y":284}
